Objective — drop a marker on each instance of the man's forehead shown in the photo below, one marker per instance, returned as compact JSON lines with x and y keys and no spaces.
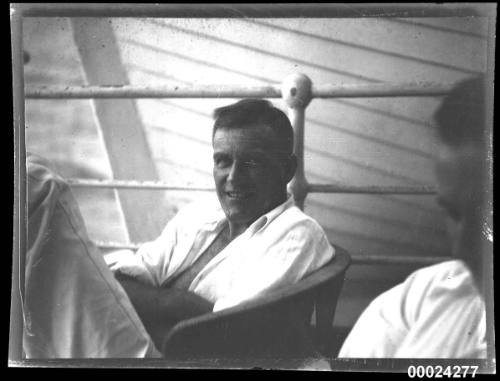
{"x":254,"y":129}
{"x":252,"y":138}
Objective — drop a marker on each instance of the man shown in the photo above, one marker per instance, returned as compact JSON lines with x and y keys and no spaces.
{"x":207,"y":258}
{"x":253,"y":240}
{"x":439,"y":311}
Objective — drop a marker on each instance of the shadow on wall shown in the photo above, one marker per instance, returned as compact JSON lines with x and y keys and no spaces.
{"x":371,"y":49}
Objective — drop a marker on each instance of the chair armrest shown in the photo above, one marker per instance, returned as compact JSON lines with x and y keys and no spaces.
{"x":337,"y":266}
{"x":296,"y":300}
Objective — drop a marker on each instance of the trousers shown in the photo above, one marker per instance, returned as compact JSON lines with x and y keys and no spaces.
{"x":73,"y":307}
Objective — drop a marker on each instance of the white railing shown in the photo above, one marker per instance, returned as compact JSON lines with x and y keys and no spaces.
{"x":412,"y":89}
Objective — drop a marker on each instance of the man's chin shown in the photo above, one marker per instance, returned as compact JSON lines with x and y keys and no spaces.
{"x":239,"y":215}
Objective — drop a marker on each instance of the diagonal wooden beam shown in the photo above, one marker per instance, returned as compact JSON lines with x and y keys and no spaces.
{"x":122,"y":130}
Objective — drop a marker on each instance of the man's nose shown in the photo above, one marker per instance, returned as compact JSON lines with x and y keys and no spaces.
{"x":236,"y":173}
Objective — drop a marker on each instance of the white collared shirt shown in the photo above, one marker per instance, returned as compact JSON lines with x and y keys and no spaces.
{"x":278,"y":249}
{"x":437,"y":312}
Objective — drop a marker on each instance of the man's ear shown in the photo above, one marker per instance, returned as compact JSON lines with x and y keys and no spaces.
{"x":290,"y":167}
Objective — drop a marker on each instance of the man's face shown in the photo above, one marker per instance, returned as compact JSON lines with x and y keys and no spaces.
{"x":457,"y":171}
{"x":250,"y":175}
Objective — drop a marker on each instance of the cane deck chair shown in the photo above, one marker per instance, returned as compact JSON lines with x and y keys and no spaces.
{"x":277,"y":325}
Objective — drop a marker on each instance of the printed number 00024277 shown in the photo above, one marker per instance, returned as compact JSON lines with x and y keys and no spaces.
{"x":438,"y":371}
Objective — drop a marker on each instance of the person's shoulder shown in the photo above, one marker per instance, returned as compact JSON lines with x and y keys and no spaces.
{"x":295,"y":217}
{"x":442,"y":282}
{"x":449,"y":272}
{"x":293,"y":225}
{"x":426,"y":280}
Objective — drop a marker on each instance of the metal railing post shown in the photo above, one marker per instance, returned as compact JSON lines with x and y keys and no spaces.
{"x":296,"y":92}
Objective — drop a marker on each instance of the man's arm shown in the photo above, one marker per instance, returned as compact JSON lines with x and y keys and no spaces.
{"x":160,"y":308}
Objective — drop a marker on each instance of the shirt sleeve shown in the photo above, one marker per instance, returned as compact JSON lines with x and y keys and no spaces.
{"x":448,"y":319}
{"x":293,"y":255}
{"x":435,"y":313}
{"x":379,"y":330}
{"x":150,"y":264}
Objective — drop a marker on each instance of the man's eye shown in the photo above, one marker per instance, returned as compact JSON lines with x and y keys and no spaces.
{"x":221,"y":162}
{"x":252,"y":163}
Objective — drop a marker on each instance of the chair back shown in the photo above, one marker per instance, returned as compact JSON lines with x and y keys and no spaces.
{"x":277,"y":324}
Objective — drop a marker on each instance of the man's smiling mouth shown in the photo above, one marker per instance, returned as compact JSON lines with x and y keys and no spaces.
{"x":239,"y":195}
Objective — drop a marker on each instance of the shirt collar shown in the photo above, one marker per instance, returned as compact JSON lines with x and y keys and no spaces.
{"x":262,"y":222}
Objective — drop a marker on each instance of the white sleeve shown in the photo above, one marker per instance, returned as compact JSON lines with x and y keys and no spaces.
{"x":151,"y":261}
{"x":449,"y":322}
{"x":435,"y":313}
{"x":379,"y":330}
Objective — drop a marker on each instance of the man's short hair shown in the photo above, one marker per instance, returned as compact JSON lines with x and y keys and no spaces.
{"x":249,"y":112}
{"x":461,"y":116}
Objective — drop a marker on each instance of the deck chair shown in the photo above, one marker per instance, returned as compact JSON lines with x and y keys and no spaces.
{"x":277,"y":325}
